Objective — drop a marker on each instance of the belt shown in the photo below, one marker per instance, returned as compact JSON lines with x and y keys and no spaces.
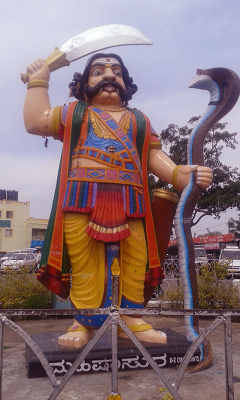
{"x":124,"y":177}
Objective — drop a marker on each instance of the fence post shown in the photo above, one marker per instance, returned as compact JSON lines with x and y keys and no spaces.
{"x":228,"y":359}
{"x":1,"y":352}
{"x":115,"y":269}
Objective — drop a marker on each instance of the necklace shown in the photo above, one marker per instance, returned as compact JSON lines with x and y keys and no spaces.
{"x":113,"y":109}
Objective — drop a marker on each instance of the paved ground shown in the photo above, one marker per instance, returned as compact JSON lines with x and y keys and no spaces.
{"x":134,"y":385}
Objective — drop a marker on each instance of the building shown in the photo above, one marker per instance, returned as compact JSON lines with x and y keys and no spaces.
{"x":36,"y":229}
{"x":17,"y":230}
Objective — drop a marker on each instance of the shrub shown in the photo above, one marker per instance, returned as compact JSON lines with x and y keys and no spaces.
{"x":174,"y":296}
{"x":166,"y":395}
{"x":22,"y":290}
{"x":214,"y":290}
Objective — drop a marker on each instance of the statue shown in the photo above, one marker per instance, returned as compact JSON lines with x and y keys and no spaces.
{"x":101,"y":210}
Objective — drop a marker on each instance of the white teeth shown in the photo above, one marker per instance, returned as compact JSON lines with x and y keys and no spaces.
{"x":101,"y":90}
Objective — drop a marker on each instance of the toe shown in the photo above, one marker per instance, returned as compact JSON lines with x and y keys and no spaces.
{"x":60,"y":339}
{"x":71,"y":342}
{"x":77,"y":342}
{"x":65,"y":341}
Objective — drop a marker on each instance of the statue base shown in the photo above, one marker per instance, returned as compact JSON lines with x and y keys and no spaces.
{"x":99,"y":359}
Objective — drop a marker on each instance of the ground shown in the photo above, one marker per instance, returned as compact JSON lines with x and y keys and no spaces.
{"x":134,"y":385}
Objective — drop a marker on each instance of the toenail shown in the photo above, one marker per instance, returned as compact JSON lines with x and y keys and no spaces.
{"x":163,"y":334}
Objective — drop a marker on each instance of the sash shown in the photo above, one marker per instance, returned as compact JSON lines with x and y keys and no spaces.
{"x":117,"y":131}
{"x":142,"y":136}
{"x":54,"y":272}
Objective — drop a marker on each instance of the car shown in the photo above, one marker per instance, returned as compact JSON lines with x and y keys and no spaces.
{"x":231,"y":254}
{"x":7,"y":255}
{"x":29,"y":250}
{"x":18,"y":260}
{"x":200,"y":255}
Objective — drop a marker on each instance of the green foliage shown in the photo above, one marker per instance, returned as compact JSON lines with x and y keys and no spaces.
{"x":234,"y":227}
{"x":214,"y":290}
{"x":167,"y":395}
{"x":211,"y":233}
{"x":174,"y":296}
{"x":22,"y":290}
{"x":223,"y":193}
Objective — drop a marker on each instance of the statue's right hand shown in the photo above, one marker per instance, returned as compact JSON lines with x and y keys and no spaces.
{"x":36,"y":70}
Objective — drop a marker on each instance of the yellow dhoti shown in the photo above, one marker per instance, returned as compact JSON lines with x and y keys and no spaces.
{"x":88,"y":260}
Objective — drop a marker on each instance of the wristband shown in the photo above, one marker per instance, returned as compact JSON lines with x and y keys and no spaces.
{"x":37,"y":83}
{"x":174,"y":177}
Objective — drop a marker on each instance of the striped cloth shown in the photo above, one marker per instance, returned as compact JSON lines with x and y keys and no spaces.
{"x":109,"y":205}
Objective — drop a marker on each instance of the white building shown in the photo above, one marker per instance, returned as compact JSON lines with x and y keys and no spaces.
{"x":17,"y":230}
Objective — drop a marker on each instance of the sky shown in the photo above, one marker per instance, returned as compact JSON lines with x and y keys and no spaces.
{"x":186,"y":35}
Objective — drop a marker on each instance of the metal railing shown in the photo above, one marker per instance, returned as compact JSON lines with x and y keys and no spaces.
{"x":173,"y":277}
{"x":114,"y":319}
{"x":171,"y":267}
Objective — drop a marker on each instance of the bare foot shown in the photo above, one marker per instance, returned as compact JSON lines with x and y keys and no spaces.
{"x":149,"y":335}
{"x":76,"y":339}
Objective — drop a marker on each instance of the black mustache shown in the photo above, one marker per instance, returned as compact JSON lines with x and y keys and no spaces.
{"x":90,"y":92}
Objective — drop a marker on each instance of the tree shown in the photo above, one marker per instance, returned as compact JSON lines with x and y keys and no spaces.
{"x":234,"y":227}
{"x":223,"y":193}
{"x":212,"y":233}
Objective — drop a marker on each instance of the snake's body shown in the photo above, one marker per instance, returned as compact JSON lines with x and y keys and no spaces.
{"x":224,"y":86}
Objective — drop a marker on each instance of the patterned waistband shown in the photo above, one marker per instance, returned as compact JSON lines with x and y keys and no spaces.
{"x":123,"y":177}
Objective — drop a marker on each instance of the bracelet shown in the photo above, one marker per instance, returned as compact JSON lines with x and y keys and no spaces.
{"x":45,"y":129}
{"x":37,"y":83}
{"x":56,"y":121}
{"x":174,"y":177}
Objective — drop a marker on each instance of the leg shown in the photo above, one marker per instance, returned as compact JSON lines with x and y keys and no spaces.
{"x":134,"y":260}
{"x":88,"y":276}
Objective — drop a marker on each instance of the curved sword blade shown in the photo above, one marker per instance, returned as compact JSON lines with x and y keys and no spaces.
{"x":101,"y":38}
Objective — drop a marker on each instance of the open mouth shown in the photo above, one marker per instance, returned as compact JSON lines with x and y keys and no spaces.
{"x":109,"y":88}
{"x":194,"y":84}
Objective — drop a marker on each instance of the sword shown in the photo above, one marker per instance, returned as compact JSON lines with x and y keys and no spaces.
{"x":90,"y":41}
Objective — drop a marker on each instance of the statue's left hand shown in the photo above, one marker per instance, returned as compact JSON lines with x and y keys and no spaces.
{"x":203,"y":176}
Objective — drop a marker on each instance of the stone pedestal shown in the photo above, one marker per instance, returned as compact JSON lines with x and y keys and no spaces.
{"x":99,"y":359}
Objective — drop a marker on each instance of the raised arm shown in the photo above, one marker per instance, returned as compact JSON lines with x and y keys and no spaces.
{"x":37,"y":111}
{"x":162,"y":166}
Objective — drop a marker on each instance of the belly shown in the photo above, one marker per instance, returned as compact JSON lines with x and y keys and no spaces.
{"x":86,"y":162}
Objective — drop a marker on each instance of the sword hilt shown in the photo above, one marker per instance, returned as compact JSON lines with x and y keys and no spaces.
{"x":55,"y":61}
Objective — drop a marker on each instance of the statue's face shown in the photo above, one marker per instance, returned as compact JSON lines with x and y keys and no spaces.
{"x":109,"y":73}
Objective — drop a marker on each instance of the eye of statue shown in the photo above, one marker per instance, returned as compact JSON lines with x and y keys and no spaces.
{"x":118,"y":73}
{"x":96,"y":72}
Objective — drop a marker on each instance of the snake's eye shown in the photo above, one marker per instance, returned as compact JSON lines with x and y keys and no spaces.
{"x":199,"y":71}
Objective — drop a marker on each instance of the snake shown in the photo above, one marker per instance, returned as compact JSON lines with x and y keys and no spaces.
{"x":223,"y":85}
